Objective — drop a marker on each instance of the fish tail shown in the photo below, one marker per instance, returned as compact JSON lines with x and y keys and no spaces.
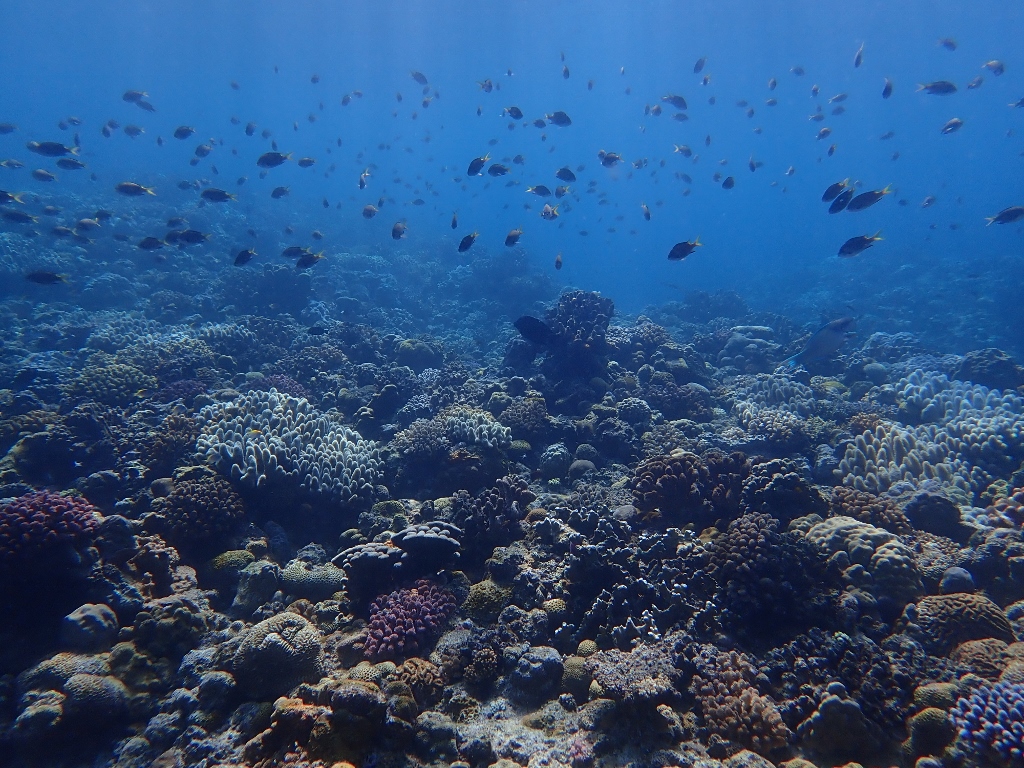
{"x":74,"y":150}
{"x":149,"y":191}
{"x":877,"y":235}
{"x":991,"y":220}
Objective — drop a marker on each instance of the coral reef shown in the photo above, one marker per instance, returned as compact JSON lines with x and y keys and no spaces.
{"x":403,"y":622}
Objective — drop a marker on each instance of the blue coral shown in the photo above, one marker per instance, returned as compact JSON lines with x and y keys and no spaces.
{"x":990,"y":722}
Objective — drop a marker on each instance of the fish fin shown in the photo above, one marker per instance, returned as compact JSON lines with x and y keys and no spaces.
{"x":991,"y":220}
{"x":887,"y":190}
{"x":877,"y":235}
{"x":74,"y":150}
{"x":696,"y":241}
{"x":149,"y":191}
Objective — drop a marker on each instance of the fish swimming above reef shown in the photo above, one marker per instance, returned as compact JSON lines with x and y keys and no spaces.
{"x":1006,"y":216}
{"x":45,"y":277}
{"x":824,"y":342}
{"x":858,"y":244}
{"x":535,"y":331}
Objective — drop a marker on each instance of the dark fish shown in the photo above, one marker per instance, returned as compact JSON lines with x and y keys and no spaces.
{"x":369,"y":211}
{"x":279,"y":192}
{"x":294,"y":251}
{"x":513,"y":236}
{"x":938,"y":88}
{"x":772,"y":82}
{"x":216,"y":195}
{"x":183,"y":132}
{"x":565,"y":174}
{"x":1007,"y":215}
{"x":540,"y":190}
{"x":45,"y":277}
{"x":676,"y":101}
{"x":486,"y":85}
{"x":539,"y":123}
{"x":467,"y":241}
{"x":177,"y":222}
{"x":953,"y":125}
{"x":995,"y":66}
{"x":887,"y":135}
{"x":833,"y":190}
{"x":70,"y":164}
{"x":18,"y":217}
{"x":203,"y":150}
{"x":11,"y":197}
{"x":41,"y":174}
{"x":50,"y":148}
{"x":798,"y":71}
{"x":6,"y":128}
{"x":858,"y":57}
{"x":142,"y":104}
{"x":700,"y":65}
{"x":729,"y":182}
{"x":681,"y":250}
{"x":51,"y":210}
{"x":316,"y":330}
{"x":419,"y":77}
{"x":558,"y":118}
{"x":646,"y":211}
{"x":535,"y":331}
{"x":12,"y":164}
{"x":497,"y":169}
{"x":131,"y":189}
{"x":134,"y":131}
{"x":858,"y":244}
{"x":975,"y":83}
{"x":150,"y":243}
{"x":887,"y":89}
{"x":948,"y":43}
{"x":305,"y":162}
{"x":558,"y":260}
{"x":477,"y":165}
{"x":824,"y":343}
{"x":308,"y":259}
{"x":316,"y":234}
{"x":398,"y":231}
{"x":609,"y":159}
{"x":565,"y":72}
{"x":272,"y":159}
{"x":548,"y":213}
{"x":514,"y":112}
{"x":250,"y":129}
{"x":841,"y":201}
{"x":455,"y":220}
{"x":134,"y":96}
{"x":519,"y":160}
{"x":867,"y":199}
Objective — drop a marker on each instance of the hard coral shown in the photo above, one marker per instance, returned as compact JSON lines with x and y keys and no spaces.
{"x":114,"y":384}
{"x":990,"y":723}
{"x":37,"y":527}
{"x":941,"y":622}
{"x":869,"y":508}
{"x":197,"y":510}
{"x":403,"y":622}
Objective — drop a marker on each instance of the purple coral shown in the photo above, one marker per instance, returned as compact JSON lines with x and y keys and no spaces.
{"x":401,"y":623}
{"x":37,"y":524}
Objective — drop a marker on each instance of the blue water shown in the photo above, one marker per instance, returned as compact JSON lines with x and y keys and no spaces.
{"x":768,"y":238}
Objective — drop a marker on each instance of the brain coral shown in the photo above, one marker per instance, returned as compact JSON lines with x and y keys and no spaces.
{"x":941,"y":622}
{"x":266,"y":439}
{"x":277,"y":654}
{"x":42,"y":524}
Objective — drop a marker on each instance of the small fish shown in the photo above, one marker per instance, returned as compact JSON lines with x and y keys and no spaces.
{"x":485,"y":85}
{"x":272,"y":159}
{"x":681,"y":250}
{"x":477,"y":164}
{"x":176,"y":222}
{"x":558,"y":260}
{"x":683,"y":150}
{"x":18,"y":217}
{"x":928,"y":201}
{"x":12,"y":164}
{"x":467,"y":241}
{"x":61,"y":231}
{"x":824,"y":133}
{"x":1006,"y":216}
{"x":938,"y":88}
{"x":514,"y":112}
{"x":675,"y":100}
{"x":294,"y":251}
{"x":866,"y":199}
{"x":134,"y":131}
{"x":250,"y":128}
{"x":995,"y":66}
{"x":398,"y":231}
{"x":70,"y":164}
{"x":513,"y":236}
{"x":497,"y":169}
{"x":214,"y":195}
{"x":953,"y":125}
{"x":858,"y":57}
{"x":455,"y":219}
{"x":150,"y":243}
{"x":419,"y":77}
{"x":831,"y":150}
{"x":518,"y":160}
{"x":131,"y":189}
{"x":306,"y":162}
{"x":562,"y":191}
{"x":558,"y":118}
{"x":540,"y":190}
{"x":609,"y":159}
{"x":729,"y":182}
{"x":308,"y":259}
{"x":45,"y":277}
{"x":6,"y":128}
{"x":842,"y":200}
{"x":646,"y":211}
{"x":1017,"y":104}
{"x":133,"y":96}
{"x":41,"y":174}
{"x":316,"y":234}
{"x":834,"y":190}
{"x":182,"y":132}
{"x":87,"y":224}
{"x":244,"y":257}
{"x":548,"y":213}
{"x":887,"y":135}
{"x":565,"y":72}
{"x":948,"y":43}
{"x":280,"y":192}
{"x":50,"y":148}
{"x":798,"y":71}
{"x":535,"y":331}
{"x":188,"y":236}
{"x":565,"y":174}
{"x":51,"y":210}
{"x":369,"y":211}
{"x":824,"y":342}
{"x":887,"y":89}
{"x":858,"y":244}
{"x":700,"y":65}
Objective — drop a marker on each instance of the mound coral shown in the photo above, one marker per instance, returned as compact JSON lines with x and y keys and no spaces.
{"x":403,"y":622}
{"x":39,"y":527}
{"x":197,"y":510}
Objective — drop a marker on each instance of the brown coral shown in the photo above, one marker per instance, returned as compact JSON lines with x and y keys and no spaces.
{"x":682,"y":484}
{"x":869,"y":508}
{"x":941,"y":622}
{"x":423,"y":678}
{"x":985,"y":658}
{"x":197,"y":510}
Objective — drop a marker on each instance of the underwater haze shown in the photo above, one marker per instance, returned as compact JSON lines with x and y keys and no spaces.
{"x":511,"y":384}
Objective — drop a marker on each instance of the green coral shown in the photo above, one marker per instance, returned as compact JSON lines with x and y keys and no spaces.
{"x":575,"y":677}
{"x":485,"y":601}
{"x":233,"y":560}
{"x":586,"y":648}
{"x":315,"y":582}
